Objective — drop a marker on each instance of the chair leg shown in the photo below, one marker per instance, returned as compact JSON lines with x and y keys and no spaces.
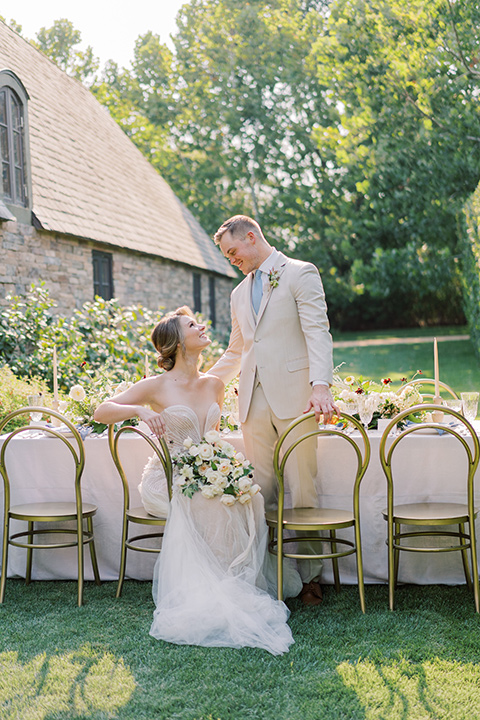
{"x":123,"y":559}
{"x":80,"y":550}
{"x":280,"y":563}
{"x":396,"y":554}
{"x":28,"y":573}
{"x":391,"y":570}
{"x":271,"y":533}
{"x":93,"y":552}
{"x":360,"y":579}
{"x":473,"y":551}
{"x":466,"y":569}
{"x":3,"y":577}
{"x":336,"y":574}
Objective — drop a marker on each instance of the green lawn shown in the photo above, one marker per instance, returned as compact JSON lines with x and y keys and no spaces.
{"x":60,"y":662}
{"x":420,"y":662}
{"x":458,"y":365}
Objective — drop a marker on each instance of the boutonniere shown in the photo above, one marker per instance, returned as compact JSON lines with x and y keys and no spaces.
{"x":273,"y":278}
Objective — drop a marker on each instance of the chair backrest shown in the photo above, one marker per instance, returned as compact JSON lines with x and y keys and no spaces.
{"x":78,"y":452}
{"x":472,"y":453}
{"x":160,"y":449}
{"x":290,"y":440}
{"x":431,"y":383}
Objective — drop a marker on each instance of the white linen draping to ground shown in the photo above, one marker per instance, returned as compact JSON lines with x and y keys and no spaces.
{"x":427,"y":466}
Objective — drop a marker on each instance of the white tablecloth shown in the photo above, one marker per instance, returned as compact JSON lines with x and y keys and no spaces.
{"x":428,"y":467}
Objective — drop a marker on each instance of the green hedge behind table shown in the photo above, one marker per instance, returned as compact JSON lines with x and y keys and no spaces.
{"x":102,"y":336}
{"x":471,"y":267}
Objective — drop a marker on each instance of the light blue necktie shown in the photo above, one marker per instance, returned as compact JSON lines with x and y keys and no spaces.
{"x":257,"y":291}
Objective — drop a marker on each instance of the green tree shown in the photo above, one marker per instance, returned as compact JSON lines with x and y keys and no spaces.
{"x":403,"y":78}
{"x":58,"y":43}
{"x":12,"y":24}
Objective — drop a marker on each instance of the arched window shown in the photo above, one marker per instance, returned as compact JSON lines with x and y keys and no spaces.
{"x":14,"y":141}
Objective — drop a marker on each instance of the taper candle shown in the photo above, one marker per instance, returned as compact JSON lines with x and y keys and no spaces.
{"x":147,"y":369}
{"x":435,"y":367}
{"x":55,"y":378}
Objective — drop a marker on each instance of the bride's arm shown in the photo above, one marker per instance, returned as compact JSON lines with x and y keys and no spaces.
{"x":220,"y":390}
{"x":131,"y":403}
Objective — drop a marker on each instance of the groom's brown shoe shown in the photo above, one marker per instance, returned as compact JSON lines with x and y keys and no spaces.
{"x":311,"y":593}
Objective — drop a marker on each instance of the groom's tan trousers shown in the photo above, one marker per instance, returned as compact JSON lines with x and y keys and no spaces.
{"x":261,"y":431}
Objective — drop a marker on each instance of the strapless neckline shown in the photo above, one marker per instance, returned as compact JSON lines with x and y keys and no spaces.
{"x":211,"y":418}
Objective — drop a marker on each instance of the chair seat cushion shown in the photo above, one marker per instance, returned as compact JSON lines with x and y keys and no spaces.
{"x":415,"y":512}
{"x":312,"y":516}
{"x":51,"y":510}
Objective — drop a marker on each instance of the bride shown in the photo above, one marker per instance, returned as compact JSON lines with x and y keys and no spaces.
{"x":209,"y":586}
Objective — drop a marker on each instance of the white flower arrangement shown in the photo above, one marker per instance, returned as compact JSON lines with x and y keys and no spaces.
{"x":385,"y":403}
{"x":214,"y":468}
{"x":82,"y":401}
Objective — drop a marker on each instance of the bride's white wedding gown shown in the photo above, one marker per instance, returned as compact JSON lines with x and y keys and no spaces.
{"x":209,"y":585}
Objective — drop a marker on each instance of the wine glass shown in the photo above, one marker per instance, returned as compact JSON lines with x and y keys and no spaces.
{"x":366,"y":406}
{"x":35,"y":401}
{"x":470,"y":405}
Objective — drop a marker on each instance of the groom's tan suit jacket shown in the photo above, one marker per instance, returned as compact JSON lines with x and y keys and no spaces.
{"x":286,"y":347}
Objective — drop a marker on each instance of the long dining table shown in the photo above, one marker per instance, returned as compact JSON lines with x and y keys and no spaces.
{"x":428,"y":466}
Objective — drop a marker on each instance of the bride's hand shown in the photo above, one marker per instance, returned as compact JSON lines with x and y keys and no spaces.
{"x":153,"y":420}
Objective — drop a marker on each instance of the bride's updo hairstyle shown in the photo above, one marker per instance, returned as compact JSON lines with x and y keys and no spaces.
{"x":167,"y":336}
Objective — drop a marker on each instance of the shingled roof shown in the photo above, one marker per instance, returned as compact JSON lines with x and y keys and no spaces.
{"x":88,"y":178}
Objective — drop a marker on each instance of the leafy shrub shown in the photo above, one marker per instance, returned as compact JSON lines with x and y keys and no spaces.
{"x":406,"y":287}
{"x":13,"y":395}
{"x":102,"y":335}
{"x":471,"y":266}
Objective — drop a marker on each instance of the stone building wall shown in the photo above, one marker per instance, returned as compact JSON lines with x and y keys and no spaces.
{"x":65,"y":264}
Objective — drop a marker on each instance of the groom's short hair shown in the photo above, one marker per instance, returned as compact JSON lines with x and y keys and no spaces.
{"x":237,"y":225}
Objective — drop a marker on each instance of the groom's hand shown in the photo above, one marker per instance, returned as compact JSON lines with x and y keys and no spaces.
{"x":321,"y":402}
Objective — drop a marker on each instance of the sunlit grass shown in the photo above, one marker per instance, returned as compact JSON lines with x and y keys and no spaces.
{"x":60,"y":662}
{"x":78,"y":683}
{"x":399,"y":689}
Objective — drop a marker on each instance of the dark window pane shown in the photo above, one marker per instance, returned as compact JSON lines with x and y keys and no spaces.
{"x":213,"y":308}
{"x":16,"y":112}
{"x":17,"y":149}
{"x":11,"y":145}
{"x":7,"y":190}
{"x":4,"y":143}
{"x":102,"y":274}
{"x":3,"y":107}
{"x":19,"y":188}
{"x":197,"y":292}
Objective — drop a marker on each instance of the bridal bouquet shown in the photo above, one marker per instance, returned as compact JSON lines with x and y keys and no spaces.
{"x":214,"y":468}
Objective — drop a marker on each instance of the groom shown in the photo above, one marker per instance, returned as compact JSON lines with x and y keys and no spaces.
{"x":281,"y":345}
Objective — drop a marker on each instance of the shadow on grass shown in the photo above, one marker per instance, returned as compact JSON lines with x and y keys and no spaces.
{"x":98,"y":661}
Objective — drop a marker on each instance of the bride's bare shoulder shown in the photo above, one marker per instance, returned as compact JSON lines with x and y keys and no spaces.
{"x":213,"y":381}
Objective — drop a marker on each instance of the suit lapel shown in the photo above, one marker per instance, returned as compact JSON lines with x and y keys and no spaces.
{"x":244,"y":302}
{"x":279,"y":267}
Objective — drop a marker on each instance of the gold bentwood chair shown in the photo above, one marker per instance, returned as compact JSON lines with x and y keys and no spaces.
{"x":312,"y":520}
{"x":425,"y":514}
{"x":138,"y":515}
{"x":430,"y":382}
{"x":48,"y":512}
